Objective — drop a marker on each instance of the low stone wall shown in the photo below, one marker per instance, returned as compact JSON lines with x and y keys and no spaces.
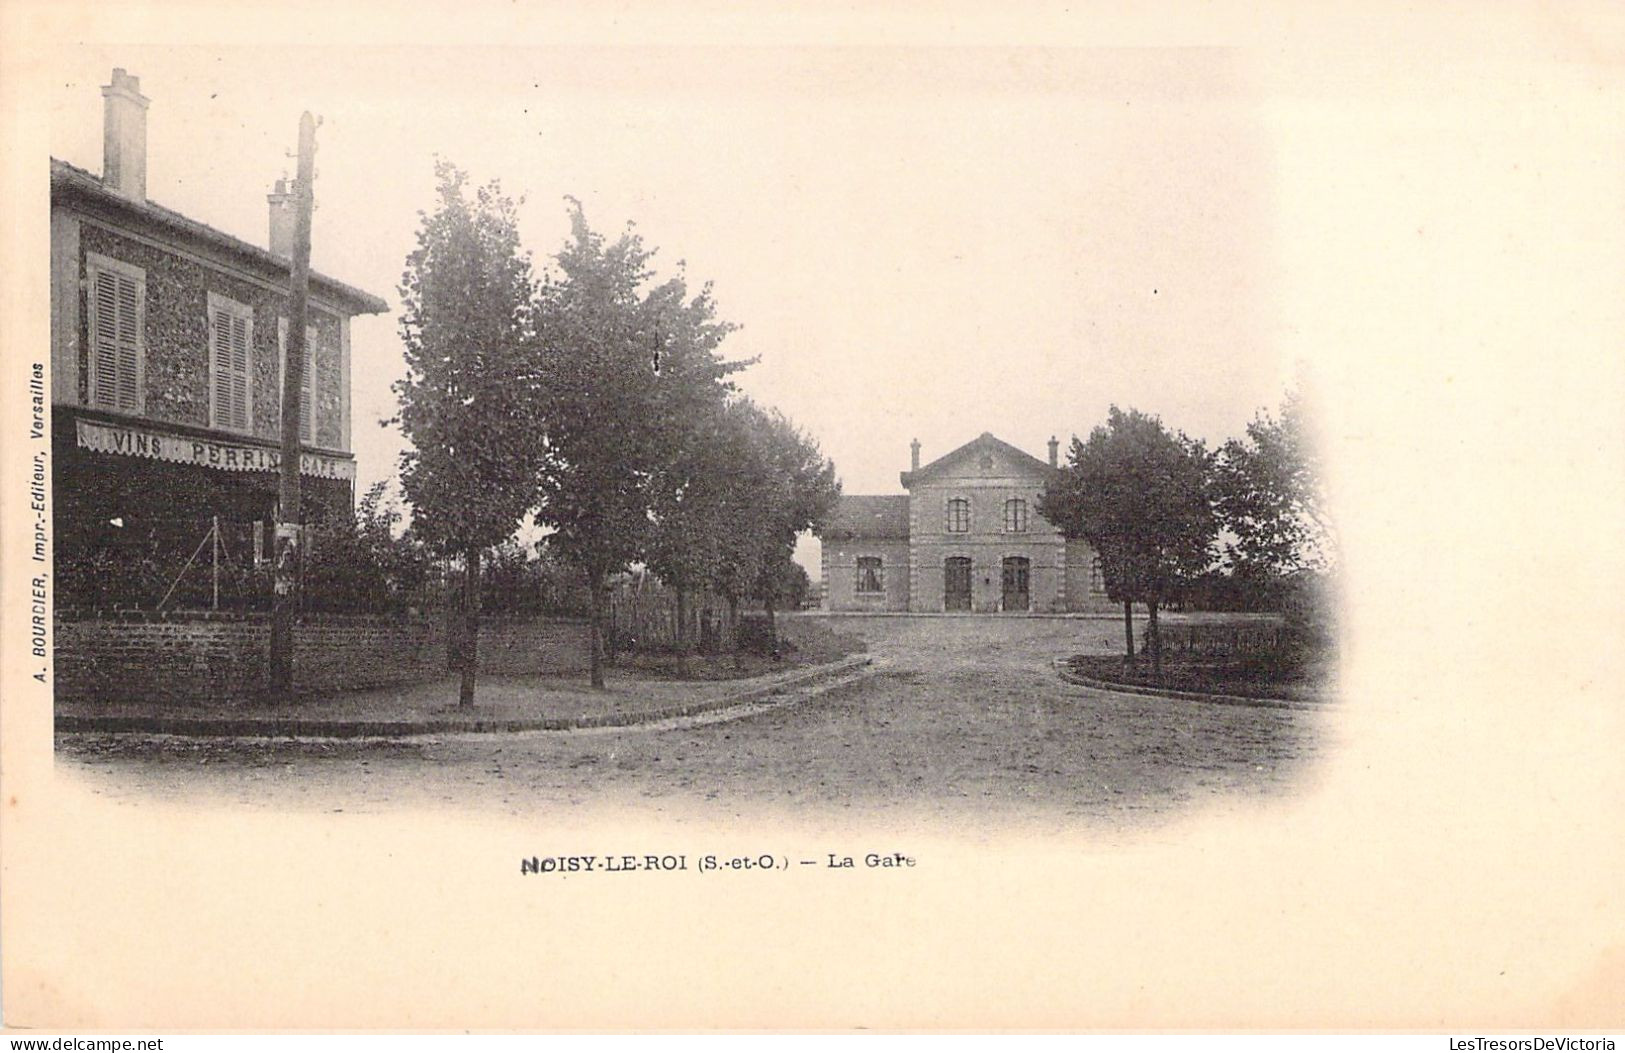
{"x":205,"y":658}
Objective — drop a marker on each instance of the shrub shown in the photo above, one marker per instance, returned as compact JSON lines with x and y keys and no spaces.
{"x":362,"y":566}
{"x":1309,"y":607}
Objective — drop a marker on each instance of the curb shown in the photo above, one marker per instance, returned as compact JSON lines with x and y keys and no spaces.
{"x":1081,"y":680}
{"x":241,"y":727}
{"x":970,"y":615}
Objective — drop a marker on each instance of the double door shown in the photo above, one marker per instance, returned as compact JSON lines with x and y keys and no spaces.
{"x":1015,"y":582}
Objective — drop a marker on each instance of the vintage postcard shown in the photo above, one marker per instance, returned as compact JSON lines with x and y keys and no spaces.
{"x":702,"y":517}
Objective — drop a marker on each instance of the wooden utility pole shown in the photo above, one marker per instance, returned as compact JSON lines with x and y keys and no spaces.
{"x":285,"y":599}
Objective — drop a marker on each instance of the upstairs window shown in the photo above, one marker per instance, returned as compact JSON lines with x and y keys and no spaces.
{"x":870,"y":577}
{"x":118,"y":306}
{"x":231,"y":388}
{"x":958,"y":518}
{"x":1015,"y":516}
{"x":1097,"y":576}
{"x":307,"y":379}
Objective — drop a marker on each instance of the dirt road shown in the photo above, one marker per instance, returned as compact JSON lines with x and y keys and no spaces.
{"x":964,"y":720}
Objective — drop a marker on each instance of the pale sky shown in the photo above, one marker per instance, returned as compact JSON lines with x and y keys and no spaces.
{"x":935,"y":229}
{"x":917,"y":242}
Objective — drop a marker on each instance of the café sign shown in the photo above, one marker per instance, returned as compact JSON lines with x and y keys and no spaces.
{"x":208,"y":453}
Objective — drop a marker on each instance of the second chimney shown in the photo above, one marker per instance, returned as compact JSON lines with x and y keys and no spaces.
{"x":1054,"y":452}
{"x":914,"y":458}
{"x":124,"y":136}
{"x":282,"y":216}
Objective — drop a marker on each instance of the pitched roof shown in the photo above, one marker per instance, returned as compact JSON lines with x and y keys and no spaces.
{"x":986,"y":441}
{"x":71,"y":180}
{"x":867,"y":516}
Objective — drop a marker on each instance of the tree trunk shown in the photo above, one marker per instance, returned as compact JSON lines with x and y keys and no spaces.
{"x":454,"y":637}
{"x":471,"y":624}
{"x":1154,"y":638}
{"x":679,"y":638}
{"x":733,"y":629}
{"x":595,"y":582}
{"x":1128,"y":629}
{"x":685,"y":638}
{"x":772,"y":627}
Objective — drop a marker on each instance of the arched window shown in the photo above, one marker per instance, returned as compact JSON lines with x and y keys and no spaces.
{"x":1015,"y":516}
{"x":1097,"y":576}
{"x":958,"y":521}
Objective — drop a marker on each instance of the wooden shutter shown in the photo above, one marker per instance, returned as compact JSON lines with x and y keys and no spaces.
{"x":116,"y":309}
{"x":307,"y":389}
{"x":307,"y":379}
{"x":230,"y":337}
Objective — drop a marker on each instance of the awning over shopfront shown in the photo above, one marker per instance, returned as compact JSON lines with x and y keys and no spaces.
{"x":237,"y":455}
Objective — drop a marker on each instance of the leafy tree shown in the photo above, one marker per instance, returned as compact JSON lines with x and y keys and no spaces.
{"x":1271,"y":495}
{"x":1271,"y":498}
{"x":791,"y":584}
{"x":747,"y":486}
{"x":799,"y":489}
{"x":467,"y":401}
{"x":1139,"y":495}
{"x":694,"y":488}
{"x":622,"y":369}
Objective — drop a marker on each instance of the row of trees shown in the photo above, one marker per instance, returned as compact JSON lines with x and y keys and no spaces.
{"x":1161,"y":509}
{"x":594,"y":399}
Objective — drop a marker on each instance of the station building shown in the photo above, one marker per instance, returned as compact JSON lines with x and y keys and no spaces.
{"x":965,"y":537}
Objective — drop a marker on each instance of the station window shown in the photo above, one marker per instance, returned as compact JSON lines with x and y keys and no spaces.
{"x":870,"y":574}
{"x":1015,"y":516}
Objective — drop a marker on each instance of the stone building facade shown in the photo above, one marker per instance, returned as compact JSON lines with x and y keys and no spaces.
{"x":966,"y":538}
{"x":167,"y":346}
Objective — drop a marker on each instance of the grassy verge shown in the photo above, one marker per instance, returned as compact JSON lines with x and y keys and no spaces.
{"x":1250,"y":676}
{"x":802,"y":642}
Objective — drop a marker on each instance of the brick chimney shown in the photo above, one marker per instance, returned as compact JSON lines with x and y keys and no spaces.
{"x":1054,"y":452}
{"x":124,"y":137}
{"x":282,"y":215}
{"x":914,"y":458}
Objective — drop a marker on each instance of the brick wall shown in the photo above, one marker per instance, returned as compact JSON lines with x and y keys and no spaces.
{"x":840,"y":570}
{"x":987,"y":544}
{"x":1080,"y":593}
{"x":205,"y":658}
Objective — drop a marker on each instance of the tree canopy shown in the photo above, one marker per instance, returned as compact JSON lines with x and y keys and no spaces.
{"x":631,"y":384}
{"x":467,"y":400}
{"x":1138,"y":494}
{"x":1270,"y":493}
{"x":468,"y":339}
{"x":799,"y":490}
{"x":596,"y":398}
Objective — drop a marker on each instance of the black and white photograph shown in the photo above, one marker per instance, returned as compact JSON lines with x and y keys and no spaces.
{"x":562,"y":486}
{"x":722,"y":518}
